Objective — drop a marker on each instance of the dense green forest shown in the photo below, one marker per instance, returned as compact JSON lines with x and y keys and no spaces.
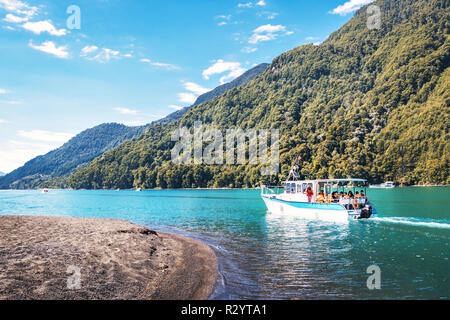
{"x":53,"y":168}
{"x":367,"y":103}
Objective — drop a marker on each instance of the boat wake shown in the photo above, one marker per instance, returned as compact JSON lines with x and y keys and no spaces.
{"x":413,"y":222}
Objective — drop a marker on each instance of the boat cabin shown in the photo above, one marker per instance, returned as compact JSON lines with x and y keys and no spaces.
{"x":328,"y":187}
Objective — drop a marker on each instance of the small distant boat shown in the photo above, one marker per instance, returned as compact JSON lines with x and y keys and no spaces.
{"x":386,"y":185}
{"x":45,"y":191}
{"x":313,"y":199}
{"x":138,"y":190}
{"x":117,"y":189}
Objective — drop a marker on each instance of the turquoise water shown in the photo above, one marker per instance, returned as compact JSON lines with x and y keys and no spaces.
{"x":265,"y":256}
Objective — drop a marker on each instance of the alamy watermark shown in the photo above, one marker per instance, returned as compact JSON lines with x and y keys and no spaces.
{"x":74,"y":20}
{"x":374,"y":281}
{"x":374,"y":19}
{"x":74,"y":280}
{"x":239,"y":143}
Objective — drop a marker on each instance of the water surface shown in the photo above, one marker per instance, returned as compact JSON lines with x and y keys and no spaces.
{"x":266,"y":256}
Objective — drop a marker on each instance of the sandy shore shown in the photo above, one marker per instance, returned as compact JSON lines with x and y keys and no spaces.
{"x":40,"y":256}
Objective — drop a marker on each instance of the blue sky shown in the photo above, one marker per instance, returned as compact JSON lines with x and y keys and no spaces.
{"x":133,"y":61}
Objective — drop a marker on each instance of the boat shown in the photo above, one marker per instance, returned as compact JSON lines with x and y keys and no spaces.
{"x":292,"y":199}
{"x":45,"y":191}
{"x":138,"y":189}
{"x":386,"y":185}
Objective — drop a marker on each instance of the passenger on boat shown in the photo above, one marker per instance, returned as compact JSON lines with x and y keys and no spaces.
{"x":335,"y":197}
{"x":309,"y":193}
{"x":341,"y":195}
{"x":357,"y":195}
{"x":363,"y":195}
{"x":321,"y":197}
{"x":350,"y":195}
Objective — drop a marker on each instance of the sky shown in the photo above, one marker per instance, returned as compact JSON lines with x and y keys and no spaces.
{"x":66,"y":66}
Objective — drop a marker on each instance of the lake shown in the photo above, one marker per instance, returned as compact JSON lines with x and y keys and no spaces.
{"x":266,"y":256}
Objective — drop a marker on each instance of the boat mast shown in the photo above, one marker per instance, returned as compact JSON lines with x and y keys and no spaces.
{"x":295,"y":166}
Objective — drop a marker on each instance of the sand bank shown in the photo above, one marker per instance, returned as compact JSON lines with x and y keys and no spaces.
{"x":40,"y":258}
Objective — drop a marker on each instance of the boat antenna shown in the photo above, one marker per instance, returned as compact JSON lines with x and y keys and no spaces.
{"x":295,"y":167}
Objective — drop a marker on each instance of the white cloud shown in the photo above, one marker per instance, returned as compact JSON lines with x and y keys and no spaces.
{"x":160,"y":64}
{"x":105,"y":55}
{"x":176,"y":107}
{"x":50,"y":48}
{"x":223,"y":23}
{"x":126,"y":111}
{"x":255,"y":38}
{"x":45,"y":136}
{"x":267,"y":32}
{"x":190,"y":97}
{"x":88,"y":49}
{"x":269,"y":28}
{"x":14,"y":19}
{"x":225,"y":17}
{"x":350,"y":6}
{"x":195,"y":88}
{"x":18,"y":7}
{"x":261,"y":3}
{"x":165,"y":65}
{"x":234,"y":70}
{"x":187,"y":97}
{"x":44,"y":26}
{"x":249,"y":49}
{"x":3,"y":91}
{"x":2,"y":120}
{"x":245,"y":5}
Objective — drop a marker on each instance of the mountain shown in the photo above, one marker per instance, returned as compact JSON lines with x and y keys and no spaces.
{"x":239,"y":81}
{"x":76,"y":153}
{"x":1,"y":174}
{"x":366,"y":103}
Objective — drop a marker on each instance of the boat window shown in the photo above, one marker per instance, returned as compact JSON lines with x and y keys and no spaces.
{"x":288,"y":188}
{"x":299,"y":188}
{"x":293,"y":188}
{"x":304,"y":187}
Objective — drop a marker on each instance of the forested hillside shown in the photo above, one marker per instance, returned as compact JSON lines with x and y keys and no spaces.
{"x":368,"y":103}
{"x":52,"y":168}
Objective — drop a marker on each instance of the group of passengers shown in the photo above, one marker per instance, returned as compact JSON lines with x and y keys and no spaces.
{"x":335,"y":196}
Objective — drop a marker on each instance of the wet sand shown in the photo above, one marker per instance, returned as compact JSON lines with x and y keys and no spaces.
{"x":40,"y":257}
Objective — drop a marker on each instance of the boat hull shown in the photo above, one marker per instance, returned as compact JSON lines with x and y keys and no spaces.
{"x":316,"y":211}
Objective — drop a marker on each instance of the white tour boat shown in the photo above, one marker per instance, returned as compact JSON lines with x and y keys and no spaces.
{"x":349,"y":202}
{"x":386,"y":185}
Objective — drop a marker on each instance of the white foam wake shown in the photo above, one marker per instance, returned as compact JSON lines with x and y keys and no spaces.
{"x":413,"y":222}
